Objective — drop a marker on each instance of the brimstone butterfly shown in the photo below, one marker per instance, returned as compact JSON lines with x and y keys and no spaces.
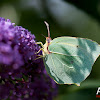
{"x":69,"y":60}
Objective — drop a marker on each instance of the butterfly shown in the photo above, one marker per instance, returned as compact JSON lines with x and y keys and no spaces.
{"x":69,"y":60}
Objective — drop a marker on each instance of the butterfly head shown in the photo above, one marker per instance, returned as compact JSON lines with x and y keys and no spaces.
{"x":48,"y":40}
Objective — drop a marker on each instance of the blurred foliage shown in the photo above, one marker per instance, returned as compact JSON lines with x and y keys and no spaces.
{"x":80,"y":18}
{"x":86,"y":91}
{"x":89,"y":6}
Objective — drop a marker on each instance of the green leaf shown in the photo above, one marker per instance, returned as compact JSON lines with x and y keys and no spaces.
{"x":71,"y":59}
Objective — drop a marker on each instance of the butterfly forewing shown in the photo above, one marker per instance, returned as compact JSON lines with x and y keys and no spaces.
{"x":71,"y":59}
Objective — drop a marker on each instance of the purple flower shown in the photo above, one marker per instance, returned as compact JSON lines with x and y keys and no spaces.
{"x":22,"y":77}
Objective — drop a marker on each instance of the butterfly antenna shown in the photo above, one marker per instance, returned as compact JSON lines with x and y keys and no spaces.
{"x":47,"y":28}
{"x":43,"y":35}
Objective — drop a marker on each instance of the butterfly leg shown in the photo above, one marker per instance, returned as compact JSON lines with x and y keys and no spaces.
{"x":40,"y":44}
{"x":41,"y":56}
{"x":41,"y":49}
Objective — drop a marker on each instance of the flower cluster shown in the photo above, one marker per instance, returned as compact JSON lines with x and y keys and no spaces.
{"x":21,"y":76}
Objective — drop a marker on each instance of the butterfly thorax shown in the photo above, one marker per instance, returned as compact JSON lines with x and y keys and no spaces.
{"x":46,"y":45}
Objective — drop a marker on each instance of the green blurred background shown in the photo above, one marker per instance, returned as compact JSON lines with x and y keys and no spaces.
{"x":79,"y":18}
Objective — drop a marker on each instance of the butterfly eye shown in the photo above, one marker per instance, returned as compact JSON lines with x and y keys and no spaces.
{"x":48,"y":39}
